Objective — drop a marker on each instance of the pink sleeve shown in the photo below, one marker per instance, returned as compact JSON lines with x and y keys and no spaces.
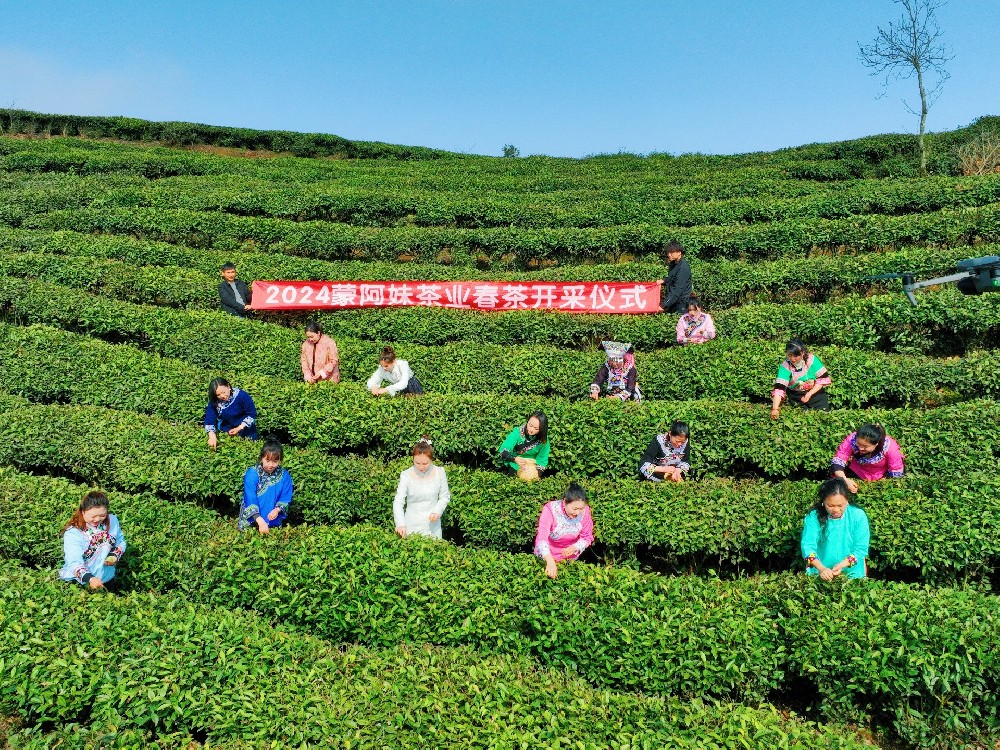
{"x":680,"y":330}
{"x":586,"y":530}
{"x":843,"y":455}
{"x":304,"y":361}
{"x":709,"y":328}
{"x":334,"y":354}
{"x":545,"y":522}
{"x":329,"y":358}
{"x":894,"y":458}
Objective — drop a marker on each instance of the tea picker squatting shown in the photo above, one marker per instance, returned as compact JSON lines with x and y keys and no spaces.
{"x":976,"y":276}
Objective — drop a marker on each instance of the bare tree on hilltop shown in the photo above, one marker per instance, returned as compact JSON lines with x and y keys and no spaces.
{"x":912,"y":47}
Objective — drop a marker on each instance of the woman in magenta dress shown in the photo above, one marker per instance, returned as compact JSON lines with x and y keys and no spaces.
{"x":565,"y":529}
{"x":867,"y":454}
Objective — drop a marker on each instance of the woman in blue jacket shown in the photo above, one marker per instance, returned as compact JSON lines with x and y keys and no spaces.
{"x":267,"y":491}
{"x":231,"y":410}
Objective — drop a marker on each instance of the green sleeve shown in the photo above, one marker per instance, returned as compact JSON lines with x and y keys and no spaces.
{"x":860,"y":534}
{"x":542,"y":459}
{"x":511,"y":440}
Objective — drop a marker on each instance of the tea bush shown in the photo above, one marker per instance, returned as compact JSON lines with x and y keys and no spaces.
{"x":947,"y":527}
{"x":232,"y":677}
{"x":589,"y":439}
{"x":790,"y":238}
{"x":618,"y":629}
{"x":141,"y":272}
{"x":945,"y":322}
{"x":721,"y":369}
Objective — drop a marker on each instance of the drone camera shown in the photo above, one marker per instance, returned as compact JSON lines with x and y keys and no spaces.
{"x":984,"y":275}
{"x":969,"y":286}
{"x":979,"y":265}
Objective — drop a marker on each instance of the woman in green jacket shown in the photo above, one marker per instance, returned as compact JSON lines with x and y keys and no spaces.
{"x":527,"y":443}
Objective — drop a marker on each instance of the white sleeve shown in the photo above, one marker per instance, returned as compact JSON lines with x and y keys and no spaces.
{"x":444,"y":493}
{"x":375,"y":380}
{"x":399,"y":503}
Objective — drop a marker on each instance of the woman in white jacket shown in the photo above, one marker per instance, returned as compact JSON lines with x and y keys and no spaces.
{"x":422,"y":494}
{"x":397,"y":373}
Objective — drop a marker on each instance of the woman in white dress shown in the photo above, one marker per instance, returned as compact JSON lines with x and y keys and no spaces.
{"x":422,"y":494}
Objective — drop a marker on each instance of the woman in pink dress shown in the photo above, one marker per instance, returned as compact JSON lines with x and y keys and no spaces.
{"x":867,"y":454}
{"x":565,"y":529}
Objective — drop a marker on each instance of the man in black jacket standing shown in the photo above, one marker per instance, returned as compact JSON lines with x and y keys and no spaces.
{"x":677,"y":286}
{"x":233,"y":293}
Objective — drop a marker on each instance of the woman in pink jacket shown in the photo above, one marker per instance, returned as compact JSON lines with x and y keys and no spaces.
{"x":565,"y":529}
{"x":695,"y":326}
{"x":320,"y":359}
{"x":868,"y":454}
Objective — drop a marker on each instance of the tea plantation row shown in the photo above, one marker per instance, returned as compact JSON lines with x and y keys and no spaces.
{"x":589,"y":439}
{"x":449,"y":203}
{"x":945,"y":323}
{"x":183,"y":277}
{"x":791,"y":238}
{"x":183,"y":669}
{"x":940,"y":529}
{"x":924,"y":664}
{"x":721,"y":369}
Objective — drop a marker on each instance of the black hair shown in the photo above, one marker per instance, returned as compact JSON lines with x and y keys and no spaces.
{"x":272,"y":448}
{"x":872,"y":433}
{"x":680,"y":429}
{"x":313,"y":326}
{"x":674,"y":245}
{"x":830,"y":488}
{"x":796,"y":347}
{"x":543,"y":425}
{"x":388,"y":354}
{"x":228,"y":267}
{"x":212,"y":398}
{"x":694,"y":300}
{"x":574,"y":492}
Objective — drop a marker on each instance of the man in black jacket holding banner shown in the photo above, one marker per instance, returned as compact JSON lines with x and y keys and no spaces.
{"x":234,"y":295}
{"x":677,"y":286}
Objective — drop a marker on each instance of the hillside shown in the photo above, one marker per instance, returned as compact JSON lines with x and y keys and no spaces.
{"x":688,"y":624}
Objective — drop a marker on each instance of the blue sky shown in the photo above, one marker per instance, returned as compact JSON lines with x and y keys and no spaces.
{"x":550,"y":77}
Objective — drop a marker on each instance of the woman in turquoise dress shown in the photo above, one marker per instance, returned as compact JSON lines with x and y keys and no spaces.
{"x":836,"y":534}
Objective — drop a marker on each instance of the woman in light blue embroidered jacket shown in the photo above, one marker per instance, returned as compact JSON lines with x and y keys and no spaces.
{"x":93,"y":543}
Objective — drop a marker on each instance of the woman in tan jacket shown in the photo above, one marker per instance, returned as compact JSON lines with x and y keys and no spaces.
{"x":320,"y":359}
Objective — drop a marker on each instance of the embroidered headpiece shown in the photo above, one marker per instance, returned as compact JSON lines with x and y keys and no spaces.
{"x":615,"y":349}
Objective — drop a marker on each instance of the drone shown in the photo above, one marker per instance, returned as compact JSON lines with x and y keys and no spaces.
{"x":976,"y":275}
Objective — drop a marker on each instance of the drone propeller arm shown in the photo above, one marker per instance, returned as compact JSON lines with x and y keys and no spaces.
{"x":910,"y":286}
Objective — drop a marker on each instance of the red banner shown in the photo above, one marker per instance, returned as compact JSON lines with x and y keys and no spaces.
{"x":573,"y":297}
